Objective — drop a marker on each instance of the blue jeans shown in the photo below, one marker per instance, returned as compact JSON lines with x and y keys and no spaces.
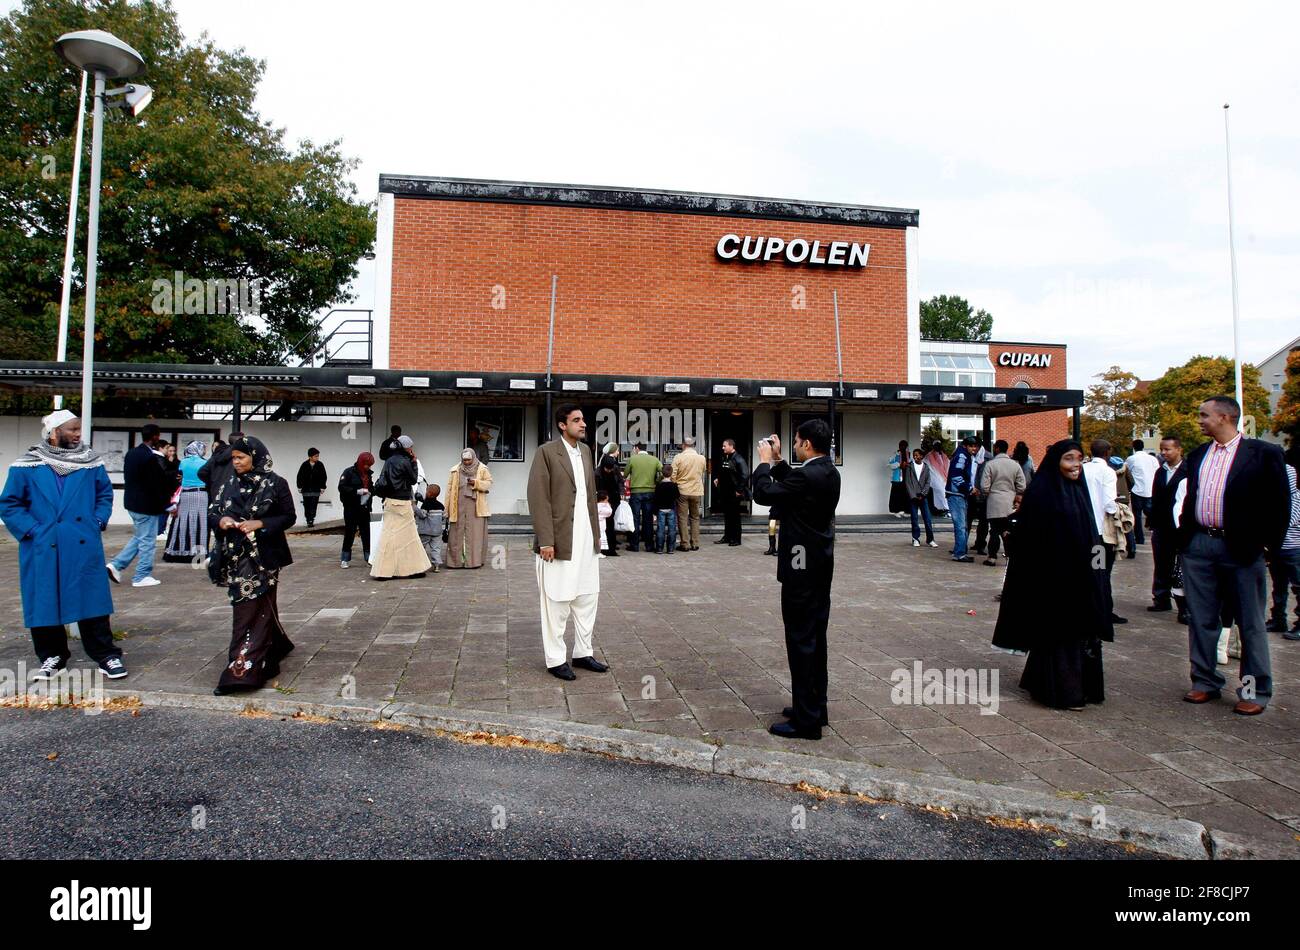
{"x":142,"y":542}
{"x":668,"y":522}
{"x":643,"y":516}
{"x":924,"y":507}
{"x":960,"y":529}
{"x":1141,"y":511}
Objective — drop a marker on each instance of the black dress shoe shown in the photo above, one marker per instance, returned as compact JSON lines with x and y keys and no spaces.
{"x":563,"y":671}
{"x":1183,"y":618}
{"x":1275,"y":626}
{"x":1160,"y":608}
{"x":734,"y":544}
{"x":722,"y":541}
{"x":1116,"y":618}
{"x":964,"y":560}
{"x":787,"y":730}
{"x":788,"y":713}
{"x":589,"y":663}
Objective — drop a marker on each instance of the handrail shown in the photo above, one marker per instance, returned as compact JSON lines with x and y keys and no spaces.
{"x":308,"y":355}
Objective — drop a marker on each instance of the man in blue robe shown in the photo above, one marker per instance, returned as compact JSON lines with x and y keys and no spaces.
{"x":57,"y":501}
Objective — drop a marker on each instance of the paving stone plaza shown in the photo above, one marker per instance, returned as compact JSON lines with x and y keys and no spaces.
{"x":694,"y":641}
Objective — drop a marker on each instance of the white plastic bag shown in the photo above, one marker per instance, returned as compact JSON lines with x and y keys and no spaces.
{"x":623,"y":517}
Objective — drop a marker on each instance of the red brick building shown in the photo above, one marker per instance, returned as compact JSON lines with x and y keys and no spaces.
{"x":494,"y":300}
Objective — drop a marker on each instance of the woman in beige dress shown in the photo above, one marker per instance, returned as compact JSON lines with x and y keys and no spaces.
{"x":401,"y":552}
{"x":467,"y":511}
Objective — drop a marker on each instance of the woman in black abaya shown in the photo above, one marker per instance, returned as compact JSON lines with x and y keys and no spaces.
{"x":249,"y":513}
{"x":1054,"y":603}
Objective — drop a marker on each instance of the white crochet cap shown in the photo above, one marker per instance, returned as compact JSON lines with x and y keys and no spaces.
{"x":55,"y":419}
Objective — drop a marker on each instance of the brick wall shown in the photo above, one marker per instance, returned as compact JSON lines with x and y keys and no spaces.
{"x":640,"y":293}
{"x":1040,"y":429}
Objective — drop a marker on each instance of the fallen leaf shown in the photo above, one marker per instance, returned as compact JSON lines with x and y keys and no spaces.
{"x":52,"y":756}
{"x":1060,"y":842}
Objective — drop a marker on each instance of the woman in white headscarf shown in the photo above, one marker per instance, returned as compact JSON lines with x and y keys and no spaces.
{"x":467,"y":511}
{"x":188,"y":538}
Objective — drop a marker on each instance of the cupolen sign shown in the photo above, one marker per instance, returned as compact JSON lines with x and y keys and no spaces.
{"x":733,"y":247}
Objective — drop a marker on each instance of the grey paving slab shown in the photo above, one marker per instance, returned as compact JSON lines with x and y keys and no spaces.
{"x":707,"y":632}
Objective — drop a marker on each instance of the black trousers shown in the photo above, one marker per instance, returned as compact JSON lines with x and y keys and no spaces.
{"x":976,"y":510}
{"x":356,"y":521}
{"x":96,"y":638}
{"x":309,"y":503}
{"x":997,"y":528}
{"x":806,"y":610}
{"x":1164,"y":551}
{"x":731,"y":517}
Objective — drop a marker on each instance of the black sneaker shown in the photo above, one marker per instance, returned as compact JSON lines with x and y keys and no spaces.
{"x":113,"y":668}
{"x":964,"y":560}
{"x":49,"y":668}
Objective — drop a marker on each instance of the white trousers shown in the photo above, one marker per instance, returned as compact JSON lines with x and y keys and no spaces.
{"x":555,"y":616}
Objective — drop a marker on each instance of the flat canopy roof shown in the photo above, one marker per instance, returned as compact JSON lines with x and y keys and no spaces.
{"x":646,"y":199}
{"x":351,"y":384}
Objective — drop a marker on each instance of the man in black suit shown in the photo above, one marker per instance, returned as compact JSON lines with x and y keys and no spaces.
{"x":148,"y":492}
{"x":1238,"y":504}
{"x":807,"y":497}
{"x":732,"y":484}
{"x":1160,"y":520}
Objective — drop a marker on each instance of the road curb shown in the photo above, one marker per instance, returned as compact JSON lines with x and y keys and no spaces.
{"x":1173,"y":837}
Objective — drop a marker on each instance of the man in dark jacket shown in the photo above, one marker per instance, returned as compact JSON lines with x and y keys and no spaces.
{"x":807,"y":497}
{"x":311,"y":483}
{"x":732,"y":484}
{"x":1238,"y":505}
{"x":1160,"y":521}
{"x":391,"y":444}
{"x":609,"y":479}
{"x":148,"y":492}
{"x":961,"y":479}
{"x":217,"y":469}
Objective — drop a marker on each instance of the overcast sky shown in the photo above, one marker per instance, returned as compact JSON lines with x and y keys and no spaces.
{"x":1067,"y":160}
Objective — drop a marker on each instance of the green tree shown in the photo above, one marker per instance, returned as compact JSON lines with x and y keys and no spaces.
{"x":1112,"y":409}
{"x":1176,"y":396}
{"x":952,"y":318}
{"x":1287,"y":419}
{"x":932,"y":435}
{"x":199,"y":184}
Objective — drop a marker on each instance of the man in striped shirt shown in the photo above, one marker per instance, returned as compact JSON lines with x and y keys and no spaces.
{"x":1238,"y":505}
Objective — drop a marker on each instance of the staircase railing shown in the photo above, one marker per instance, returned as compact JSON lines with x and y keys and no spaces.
{"x":313,"y":350}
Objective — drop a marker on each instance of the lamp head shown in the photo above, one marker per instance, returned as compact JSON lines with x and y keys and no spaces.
{"x":96,"y":51}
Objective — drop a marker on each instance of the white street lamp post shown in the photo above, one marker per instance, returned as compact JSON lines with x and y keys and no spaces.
{"x":107,"y":57}
{"x":65,"y":302}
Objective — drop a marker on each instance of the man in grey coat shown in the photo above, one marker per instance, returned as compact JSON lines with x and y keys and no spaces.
{"x":1003,"y":483}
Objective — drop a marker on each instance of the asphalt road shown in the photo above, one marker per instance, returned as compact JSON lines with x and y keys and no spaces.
{"x":123,"y":786}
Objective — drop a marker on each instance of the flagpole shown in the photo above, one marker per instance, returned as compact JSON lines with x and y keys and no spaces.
{"x":66,"y":301}
{"x":1232,"y":255}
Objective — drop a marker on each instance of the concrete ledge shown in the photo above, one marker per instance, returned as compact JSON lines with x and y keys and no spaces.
{"x":578,"y":737}
{"x":1229,"y":847}
{"x":1176,"y":837}
{"x":1173,"y":837}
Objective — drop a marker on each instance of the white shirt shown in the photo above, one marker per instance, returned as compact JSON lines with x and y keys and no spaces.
{"x":580,"y":575}
{"x":1143,"y":467}
{"x":1102,"y":486}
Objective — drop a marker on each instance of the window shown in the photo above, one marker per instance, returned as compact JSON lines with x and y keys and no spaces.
{"x":496,"y":433}
{"x":837,"y":436}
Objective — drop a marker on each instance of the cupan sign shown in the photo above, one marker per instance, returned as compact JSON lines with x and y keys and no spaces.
{"x":732,"y":247}
{"x":1025,"y":359}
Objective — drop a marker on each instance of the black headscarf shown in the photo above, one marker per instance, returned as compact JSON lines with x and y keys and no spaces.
{"x":1055,"y":589}
{"x":236,"y":562}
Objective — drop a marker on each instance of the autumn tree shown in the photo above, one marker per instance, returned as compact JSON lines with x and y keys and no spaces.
{"x":1177,"y":395}
{"x":199,"y":184}
{"x":1113,"y":409}
{"x":1286,"y":421}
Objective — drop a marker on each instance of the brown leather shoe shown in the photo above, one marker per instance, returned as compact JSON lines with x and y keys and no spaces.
{"x":1199,"y":696}
{"x":1247,"y":708}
